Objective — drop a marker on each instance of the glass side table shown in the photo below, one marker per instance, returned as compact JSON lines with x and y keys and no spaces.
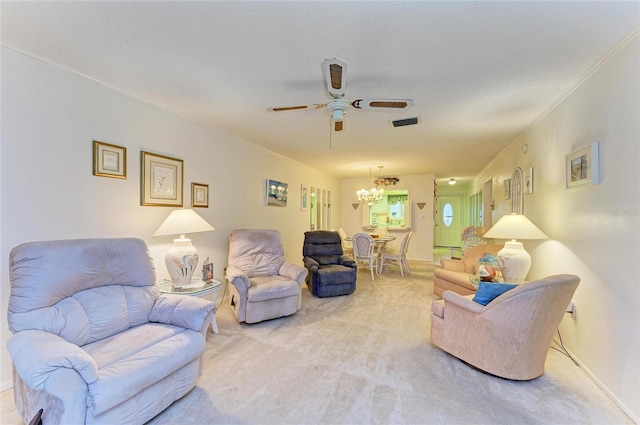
{"x":197,"y":288}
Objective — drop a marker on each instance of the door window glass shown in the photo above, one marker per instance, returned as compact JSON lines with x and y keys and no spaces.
{"x":447,"y":214}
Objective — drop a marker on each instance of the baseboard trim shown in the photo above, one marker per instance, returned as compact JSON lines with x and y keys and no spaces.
{"x":634,"y":418}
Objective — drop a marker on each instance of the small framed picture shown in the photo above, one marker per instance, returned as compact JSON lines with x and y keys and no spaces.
{"x":528,"y":180}
{"x":276,"y":193}
{"x":160,"y":180}
{"x":303,"y":198}
{"x":582,"y":166}
{"x":109,"y":160}
{"x":207,"y":271}
{"x":507,"y":188}
{"x":199,"y":195}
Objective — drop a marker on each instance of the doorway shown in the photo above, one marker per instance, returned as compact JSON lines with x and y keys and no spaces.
{"x":448,"y":222}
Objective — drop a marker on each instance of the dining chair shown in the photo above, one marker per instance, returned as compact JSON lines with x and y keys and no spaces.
{"x":382,"y":231}
{"x":364,"y":252}
{"x":400,"y":257}
{"x":347,"y":246}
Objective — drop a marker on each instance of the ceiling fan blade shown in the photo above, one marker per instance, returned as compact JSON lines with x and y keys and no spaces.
{"x":382,"y":103}
{"x":335,"y":76}
{"x":297,"y":107}
{"x":338,"y":126}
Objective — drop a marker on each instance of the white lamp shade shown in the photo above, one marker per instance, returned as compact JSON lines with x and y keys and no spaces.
{"x":182,"y":258}
{"x":514,"y":226}
{"x":181,"y":222}
{"x":513,"y":259}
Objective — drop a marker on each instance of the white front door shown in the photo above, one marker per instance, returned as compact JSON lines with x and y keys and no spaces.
{"x":448,"y":221}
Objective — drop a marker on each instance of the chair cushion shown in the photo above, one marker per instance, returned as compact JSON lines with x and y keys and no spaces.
{"x":271,"y":287}
{"x":487,"y":291}
{"x":126,"y":371}
{"x":324,"y":260}
{"x":335,"y":274}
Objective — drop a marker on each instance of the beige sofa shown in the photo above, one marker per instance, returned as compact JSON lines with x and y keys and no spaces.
{"x":510,"y":336}
{"x":453,"y":275}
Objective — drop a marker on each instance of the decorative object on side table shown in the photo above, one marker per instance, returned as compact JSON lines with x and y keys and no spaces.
{"x":109,"y":160}
{"x":160,"y":180}
{"x":513,"y":260}
{"x":182,"y":257}
{"x":583,"y":166}
{"x":207,"y":271}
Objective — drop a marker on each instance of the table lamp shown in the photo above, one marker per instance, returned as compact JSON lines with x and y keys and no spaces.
{"x":182,"y":257}
{"x":513,"y":260}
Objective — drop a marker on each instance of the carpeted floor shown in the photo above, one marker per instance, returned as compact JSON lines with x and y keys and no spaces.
{"x":366,"y":359}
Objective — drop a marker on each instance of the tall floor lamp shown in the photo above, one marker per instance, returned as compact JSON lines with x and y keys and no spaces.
{"x":513,"y":259}
{"x":182,"y":257}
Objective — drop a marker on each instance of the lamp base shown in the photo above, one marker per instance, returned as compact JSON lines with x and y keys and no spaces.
{"x":181,"y":261}
{"x":514,"y":262}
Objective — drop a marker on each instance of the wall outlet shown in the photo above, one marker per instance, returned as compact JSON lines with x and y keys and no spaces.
{"x":571,"y":308}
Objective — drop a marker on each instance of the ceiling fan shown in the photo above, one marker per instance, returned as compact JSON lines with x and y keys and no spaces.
{"x":335,"y":76}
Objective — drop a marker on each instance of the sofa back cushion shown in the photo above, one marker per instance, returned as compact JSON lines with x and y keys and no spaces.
{"x":257,"y":252}
{"x":323,"y":246}
{"x":82,"y":290}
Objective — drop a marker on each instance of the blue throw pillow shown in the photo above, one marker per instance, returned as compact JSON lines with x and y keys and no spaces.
{"x":487,"y":291}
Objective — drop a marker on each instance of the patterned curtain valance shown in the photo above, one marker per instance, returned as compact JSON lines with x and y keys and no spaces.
{"x":394,"y":199}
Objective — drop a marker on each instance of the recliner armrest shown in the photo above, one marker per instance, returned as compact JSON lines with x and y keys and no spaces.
{"x":181,"y":310}
{"x":311,"y":263}
{"x":37,"y":354}
{"x":347,"y":261}
{"x":238,"y":278}
{"x":293,"y":272}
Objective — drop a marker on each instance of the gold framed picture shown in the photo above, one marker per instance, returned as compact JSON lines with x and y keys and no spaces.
{"x":199,"y":195}
{"x":160,"y":180}
{"x":109,"y":160}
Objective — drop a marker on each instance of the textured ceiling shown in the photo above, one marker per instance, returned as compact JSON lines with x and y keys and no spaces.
{"x":479,"y":72}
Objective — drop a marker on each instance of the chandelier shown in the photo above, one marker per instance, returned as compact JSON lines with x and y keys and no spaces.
{"x":373,"y":195}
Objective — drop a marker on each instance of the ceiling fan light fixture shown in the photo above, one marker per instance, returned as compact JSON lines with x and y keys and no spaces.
{"x":338,"y":115}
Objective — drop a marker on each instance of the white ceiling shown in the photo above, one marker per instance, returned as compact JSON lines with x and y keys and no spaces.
{"x":479,"y":72}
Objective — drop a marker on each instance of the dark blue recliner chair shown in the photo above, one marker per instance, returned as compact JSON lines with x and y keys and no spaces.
{"x":331,"y":273}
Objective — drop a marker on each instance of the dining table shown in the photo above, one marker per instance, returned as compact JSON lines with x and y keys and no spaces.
{"x":379,"y":243}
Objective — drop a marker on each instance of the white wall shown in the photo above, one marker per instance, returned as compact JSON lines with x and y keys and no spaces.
{"x":420,"y":188}
{"x":594,"y":231}
{"x":49,"y":120}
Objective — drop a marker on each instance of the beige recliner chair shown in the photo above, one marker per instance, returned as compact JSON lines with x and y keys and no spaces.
{"x":454,"y":275}
{"x":264,"y":286}
{"x":510,"y":336}
{"x":94,"y":341}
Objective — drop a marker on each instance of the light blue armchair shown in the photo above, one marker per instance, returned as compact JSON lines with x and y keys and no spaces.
{"x":94,"y":340}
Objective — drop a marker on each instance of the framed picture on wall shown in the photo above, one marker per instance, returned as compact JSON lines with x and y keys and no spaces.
{"x":109,"y":160}
{"x":507,"y":188}
{"x":303,"y":198}
{"x":199,"y":195}
{"x":528,"y":180}
{"x":582,"y":166}
{"x":276,"y":193}
{"x":160,"y":180}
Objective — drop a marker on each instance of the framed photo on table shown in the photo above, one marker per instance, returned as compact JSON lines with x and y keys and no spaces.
{"x":199,"y":195}
{"x":109,"y":160}
{"x":160,"y":180}
{"x":582,"y":166}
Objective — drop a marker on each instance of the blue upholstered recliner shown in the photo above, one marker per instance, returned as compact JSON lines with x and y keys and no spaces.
{"x":331,"y":273}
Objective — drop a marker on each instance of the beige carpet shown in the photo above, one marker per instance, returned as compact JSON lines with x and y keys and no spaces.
{"x":366,"y":359}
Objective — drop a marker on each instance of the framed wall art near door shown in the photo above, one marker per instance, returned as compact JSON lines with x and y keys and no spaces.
{"x":160,"y":180}
{"x":582,"y":166}
{"x":199,"y":195}
{"x":109,"y":160}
